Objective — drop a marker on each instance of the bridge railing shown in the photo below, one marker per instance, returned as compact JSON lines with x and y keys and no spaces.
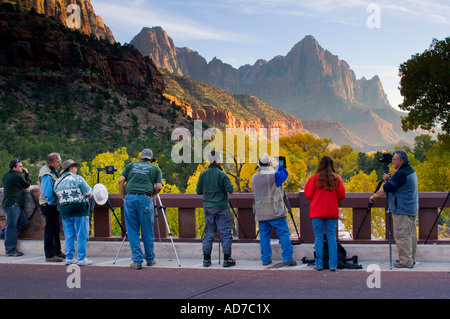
{"x":246,"y":228}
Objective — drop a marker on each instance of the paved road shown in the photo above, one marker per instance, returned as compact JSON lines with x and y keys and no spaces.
{"x":51,"y":281}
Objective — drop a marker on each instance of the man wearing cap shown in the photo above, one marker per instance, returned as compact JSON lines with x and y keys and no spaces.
{"x":215,"y":185}
{"x":73,"y":194}
{"x":48,"y":205}
{"x":270,"y":210}
{"x":139,"y":182}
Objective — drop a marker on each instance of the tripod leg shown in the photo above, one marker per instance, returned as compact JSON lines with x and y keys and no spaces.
{"x":390,"y":241}
{"x":115,"y":259}
{"x":443,"y":206}
{"x":168,"y":229}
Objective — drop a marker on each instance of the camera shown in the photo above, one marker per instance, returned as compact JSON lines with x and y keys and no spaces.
{"x":108,"y":169}
{"x":385,"y":158}
{"x":281,"y":161}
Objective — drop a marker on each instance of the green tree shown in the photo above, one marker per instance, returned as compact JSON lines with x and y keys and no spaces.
{"x":425,"y":87}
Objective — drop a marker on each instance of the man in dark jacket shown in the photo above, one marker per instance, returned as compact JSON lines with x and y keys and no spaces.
{"x":14,"y":183}
{"x":403,"y":203}
{"x":215,"y":185}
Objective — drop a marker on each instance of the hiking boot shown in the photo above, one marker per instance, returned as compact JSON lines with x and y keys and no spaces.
{"x":267,"y":263}
{"x":136,"y":266}
{"x":206,"y":260}
{"x":228,"y":261}
{"x":290,"y":263}
{"x":151,"y":263}
{"x":399,"y":265}
{"x":54,"y":259}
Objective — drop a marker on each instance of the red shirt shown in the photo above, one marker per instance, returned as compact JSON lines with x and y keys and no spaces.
{"x":324,"y":203}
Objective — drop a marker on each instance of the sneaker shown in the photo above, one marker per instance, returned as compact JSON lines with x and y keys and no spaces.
{"x":290,"y":263}
{"x":84,"y":262}
{"x":70,"y":262}
{"x":206,"y":260}
{"x":151,"y":263}
{"x":14,"y":253}
{"x":229,"y":262}
{"x":136,"y":266}
{"x":54,"y":259}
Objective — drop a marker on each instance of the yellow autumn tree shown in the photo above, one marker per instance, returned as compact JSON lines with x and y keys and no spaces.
{"x":363,"y":183}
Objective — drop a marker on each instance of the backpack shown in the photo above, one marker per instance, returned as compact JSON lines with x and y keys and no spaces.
{"x":342,"y":258}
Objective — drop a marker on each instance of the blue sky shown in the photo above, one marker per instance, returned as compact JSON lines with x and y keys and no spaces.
{"x":374,"y":37}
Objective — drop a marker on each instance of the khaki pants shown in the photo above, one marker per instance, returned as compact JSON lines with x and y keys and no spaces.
{"x":405,"y":236}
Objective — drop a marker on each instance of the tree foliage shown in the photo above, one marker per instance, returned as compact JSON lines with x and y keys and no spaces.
{"x":425,"y":86}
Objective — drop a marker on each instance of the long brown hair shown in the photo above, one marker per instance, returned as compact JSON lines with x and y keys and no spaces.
{"x":327,"y":174}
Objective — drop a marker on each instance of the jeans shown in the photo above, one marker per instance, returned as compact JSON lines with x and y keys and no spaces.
{"x":329,"y":225}
{"x":281,"y":228}
{"x":76,"y":229}
{"x":52,"y":243}
{"x":16,"y":220}
{"x":217,"y":219}
{"x":139,"y":214}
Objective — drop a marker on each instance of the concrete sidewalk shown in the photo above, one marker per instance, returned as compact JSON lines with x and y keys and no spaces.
{"x":247,"y":255}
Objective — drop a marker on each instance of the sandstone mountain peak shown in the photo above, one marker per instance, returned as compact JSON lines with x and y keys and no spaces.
{"x":90,"y":23}
{"x":309,"y":82}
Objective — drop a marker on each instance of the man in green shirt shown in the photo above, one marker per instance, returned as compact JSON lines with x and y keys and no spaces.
{"x":13,"y":202}
{"x":137,"y":185}
{"x":215,"y":185}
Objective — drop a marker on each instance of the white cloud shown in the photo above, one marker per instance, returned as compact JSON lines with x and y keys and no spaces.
{"x":432,"y":11}
{"x":137,"y":14}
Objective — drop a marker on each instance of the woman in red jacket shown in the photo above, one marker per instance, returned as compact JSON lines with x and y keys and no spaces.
{"x":325,"y":189}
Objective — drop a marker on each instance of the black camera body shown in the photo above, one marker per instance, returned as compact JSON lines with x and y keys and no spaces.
{"x":282,"y":161}
{"x":385,"y":159}
{"x":108,"y":169}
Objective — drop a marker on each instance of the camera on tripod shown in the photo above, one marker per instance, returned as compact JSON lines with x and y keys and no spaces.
{"x":108,"y":169}
{"x":385,"y":159}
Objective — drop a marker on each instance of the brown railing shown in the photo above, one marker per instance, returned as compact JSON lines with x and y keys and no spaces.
{"x":429,"y":206}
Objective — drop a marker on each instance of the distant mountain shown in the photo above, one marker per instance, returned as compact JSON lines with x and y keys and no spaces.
{"x":309,"y":82}
{"x":217,"y":108}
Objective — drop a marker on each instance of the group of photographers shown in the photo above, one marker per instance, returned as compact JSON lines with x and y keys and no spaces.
{"x":67,"y":195}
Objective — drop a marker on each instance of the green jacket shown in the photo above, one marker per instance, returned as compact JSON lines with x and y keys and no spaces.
{"x":215,"y":185}
{"x":13,"y":186}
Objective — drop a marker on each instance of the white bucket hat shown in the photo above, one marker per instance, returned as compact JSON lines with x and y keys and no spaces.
{"x":100,"y":194}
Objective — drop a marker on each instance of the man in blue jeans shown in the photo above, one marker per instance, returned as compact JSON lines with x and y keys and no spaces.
{"x":13,"y":201}
{"x":270,"y":210}
{"x":139,"y":182}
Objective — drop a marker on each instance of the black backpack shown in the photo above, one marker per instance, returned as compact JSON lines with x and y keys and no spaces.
{"x":342,"y":258}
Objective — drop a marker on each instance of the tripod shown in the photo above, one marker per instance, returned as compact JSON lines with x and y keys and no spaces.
{"x":386,"y":171}
{"x":288,"y":205}
{"x":442,"y":208}
{"x":167,"y":225}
